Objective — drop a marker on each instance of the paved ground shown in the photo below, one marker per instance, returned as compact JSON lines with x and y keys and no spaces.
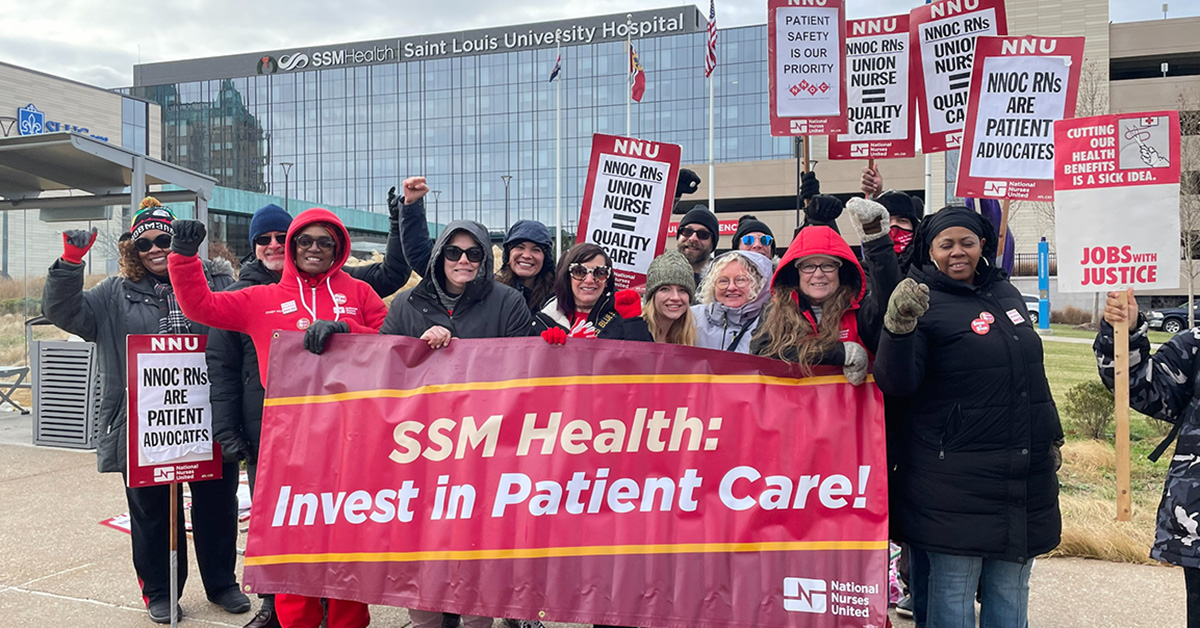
{"x":59,"y":567}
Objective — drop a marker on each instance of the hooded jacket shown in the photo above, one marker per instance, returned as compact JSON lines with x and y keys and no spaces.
{"x":717,"y":325}
{"x":973,"y":460}
{"x":537,"y":233}
{"x":105,"y":315}
{"x":485,"y":309}
{"x":863,"y":320}
{"x":293,"y":303}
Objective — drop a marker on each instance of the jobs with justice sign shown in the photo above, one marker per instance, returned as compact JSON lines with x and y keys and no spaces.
{"x":170,"y":418}
{"x":630,"y":188}
{"x":881,"y":113}
{"x":1020,"y":86}
{"x":806,"y":55}
{"x":942,"y":41}
{"x":1116,"y":184}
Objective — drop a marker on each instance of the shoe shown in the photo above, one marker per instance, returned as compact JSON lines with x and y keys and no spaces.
{"x":264,"y":618}
{"x":232,"y":600}
{"x":160,"y":611}
{"x":904,"y":607}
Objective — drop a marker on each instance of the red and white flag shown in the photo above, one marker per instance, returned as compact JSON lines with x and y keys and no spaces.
{"x":637,"y":76}
{"x":710,"y":58}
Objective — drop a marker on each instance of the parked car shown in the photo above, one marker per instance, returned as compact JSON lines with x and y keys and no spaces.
{"x":1031,"y":305}
{"x":1172,"y":319}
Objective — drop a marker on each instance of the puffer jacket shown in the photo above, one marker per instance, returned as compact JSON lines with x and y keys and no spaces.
{"x":293,"y":303}
{"x":105,"y":315}
{"x":486,"y":309}
{"x":974,"y":464}
{"x":717,"y":326}
{"x":1166,"y":386}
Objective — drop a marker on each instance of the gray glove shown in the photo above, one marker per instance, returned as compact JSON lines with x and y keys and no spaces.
{"x":909,"y":301}
{"x":188,"y":236}
{"x":855,"y":364}
{"x":870,"y":218}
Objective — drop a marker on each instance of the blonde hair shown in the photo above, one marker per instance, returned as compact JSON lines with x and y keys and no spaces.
{"x":681,"y":332}
{"x":130,"y":263}
{"x":786,"y":327}
{"x":707,"y":293}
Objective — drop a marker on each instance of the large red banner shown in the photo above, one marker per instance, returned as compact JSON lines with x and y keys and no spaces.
{"x":599,"y":482}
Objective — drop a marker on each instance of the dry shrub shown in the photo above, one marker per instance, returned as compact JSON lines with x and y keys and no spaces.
{"x":1070,"y":315}
{"x":1088,"y":457}
{"x":1090,"y":530}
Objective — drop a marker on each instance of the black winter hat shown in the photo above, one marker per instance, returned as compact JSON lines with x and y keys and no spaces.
{"x":902,"y":205}
{"x":751,"y":224}
{"x":708,"y":220}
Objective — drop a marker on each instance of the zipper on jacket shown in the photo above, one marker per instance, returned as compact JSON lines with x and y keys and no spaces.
{"x":945,"y":428}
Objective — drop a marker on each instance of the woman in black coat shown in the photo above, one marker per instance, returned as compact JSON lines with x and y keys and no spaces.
{"x":975,"y":482}
{"x":586,"y":303}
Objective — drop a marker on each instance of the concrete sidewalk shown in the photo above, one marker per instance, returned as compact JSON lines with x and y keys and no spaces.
{"x":60,"y":567}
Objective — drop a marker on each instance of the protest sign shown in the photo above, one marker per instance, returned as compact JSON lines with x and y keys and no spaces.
{"x":600,"y":482}
{"x":881,"y":115}
{"x":1116,"y":201}
{"x":626,"y":202}
{"x":170,"y":419}
{"x":1019,"y":87}
{"x":806,"y":57}
{"x":942,"y":42}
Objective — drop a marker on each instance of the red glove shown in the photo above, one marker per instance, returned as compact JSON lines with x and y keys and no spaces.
{"x":76,"y":243}
{"x":628,"y":303}
{"x":555,"y":336}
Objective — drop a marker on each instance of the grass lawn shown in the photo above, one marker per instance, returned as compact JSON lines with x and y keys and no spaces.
{"x":1068,"y":331}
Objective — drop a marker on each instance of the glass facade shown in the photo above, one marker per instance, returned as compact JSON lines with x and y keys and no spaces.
{"x":464,"y":122}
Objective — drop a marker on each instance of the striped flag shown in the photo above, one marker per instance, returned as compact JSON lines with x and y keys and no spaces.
{"x":557,"y":68}
{"x":710,"y":59}
{"x":637,"y":75}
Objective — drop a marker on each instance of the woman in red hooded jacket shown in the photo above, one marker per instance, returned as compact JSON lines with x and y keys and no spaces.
{"x":314,"y":296}
{"x":821,"y":312}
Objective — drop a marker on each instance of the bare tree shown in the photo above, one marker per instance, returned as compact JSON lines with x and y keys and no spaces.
{"x":1189,"y":193}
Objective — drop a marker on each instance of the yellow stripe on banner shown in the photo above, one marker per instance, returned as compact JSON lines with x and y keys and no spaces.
{"x":562,"y":552}
{"x":577,"y":380}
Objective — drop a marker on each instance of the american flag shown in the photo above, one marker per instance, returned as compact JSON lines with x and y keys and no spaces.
{"x":710,"y":59}
{"x":557,"y":68}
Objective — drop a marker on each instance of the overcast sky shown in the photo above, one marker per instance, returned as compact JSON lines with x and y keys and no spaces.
{"x":99,"y":42}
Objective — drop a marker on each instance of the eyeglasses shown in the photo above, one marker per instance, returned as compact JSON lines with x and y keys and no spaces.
{"x":325,"y":243}
{"x":701,"y":234}
{"x":579,"y":271}
{"x":454,"y":253}
{"x":811,"y":267}
{"x":265,"y":239}
{"x":145,"y":244}
{"x":764,"y":239}
{"x":741,"y":281}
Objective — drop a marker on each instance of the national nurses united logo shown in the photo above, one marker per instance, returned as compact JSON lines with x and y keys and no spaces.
{"x":267,"y":65}
{"x":31,"y":121}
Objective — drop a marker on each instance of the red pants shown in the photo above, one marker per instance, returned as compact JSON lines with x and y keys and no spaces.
{"x":298,"y":611}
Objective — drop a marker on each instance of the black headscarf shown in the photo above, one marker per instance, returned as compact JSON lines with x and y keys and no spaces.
{"x":917,"y":254}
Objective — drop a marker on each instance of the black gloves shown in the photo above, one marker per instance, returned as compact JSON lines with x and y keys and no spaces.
{"x":823,"y":210}
{"x":394,"y":203}
{"x":319,"y":332}
{"x":688,"y":183}
{"x":188,"y":236}
{"x":809,"y":185}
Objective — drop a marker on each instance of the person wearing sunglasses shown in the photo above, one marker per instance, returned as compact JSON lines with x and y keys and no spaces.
{"x":458,"y":297}
{"x":754,"y":235}
{"x":732,"y":297}
{"x":586,"y":303}
{"x":821,"y":312}
{"x":697,"y":238}
{"x":140,"y":300}
{"x":236,"y":392}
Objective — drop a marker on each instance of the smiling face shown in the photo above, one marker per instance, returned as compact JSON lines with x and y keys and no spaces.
{"x":460,"y":272}
{"x":526,"y":259}
{"x":732,"y":285}
{"x":670,"y":302}
{"x":314,"y":259}
{"x":822,"y":278}
{"x":155,"y":260}
{"x":588,"y":290}
{"x":272,"y":255}
{"x":956,"y":251}
{"x":695,"y":242}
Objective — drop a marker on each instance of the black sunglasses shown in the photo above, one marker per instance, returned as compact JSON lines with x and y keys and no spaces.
{"x":265,"y":239}
{"x":701,"y":234}
{"x":453,"y":253}
{"x":145,"y":244}
{"x":325,"y":243}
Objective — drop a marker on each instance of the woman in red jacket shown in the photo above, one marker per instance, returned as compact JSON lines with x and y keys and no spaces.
{"x":314,"y":296}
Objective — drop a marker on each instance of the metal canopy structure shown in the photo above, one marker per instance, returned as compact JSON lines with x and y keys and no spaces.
{"x":92,"y":173}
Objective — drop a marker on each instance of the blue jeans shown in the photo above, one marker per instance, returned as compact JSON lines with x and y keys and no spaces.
{"x":1003,"y":587}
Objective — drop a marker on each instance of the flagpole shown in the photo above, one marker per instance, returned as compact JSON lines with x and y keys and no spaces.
{"x":558,"y":157}
{"x":628,"y":74}
{"x":712,"y":79}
